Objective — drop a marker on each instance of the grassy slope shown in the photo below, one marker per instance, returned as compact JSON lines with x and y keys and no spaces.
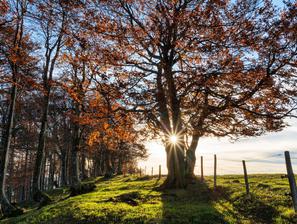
{"x":197,"y":204}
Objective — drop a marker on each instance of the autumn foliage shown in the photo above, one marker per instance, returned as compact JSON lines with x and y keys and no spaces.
{"x":85,"y":83}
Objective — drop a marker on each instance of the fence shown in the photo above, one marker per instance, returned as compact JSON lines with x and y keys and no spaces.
{"x":287,"y":162}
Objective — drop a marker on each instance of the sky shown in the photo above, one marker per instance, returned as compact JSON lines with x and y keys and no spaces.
{"x":263,"y":154}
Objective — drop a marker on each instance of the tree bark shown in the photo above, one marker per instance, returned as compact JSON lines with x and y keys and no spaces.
{"x":176,"y":166}
{"x":63,"y":167}
{"x":83,"y":165}
{"x":51,"y":178}
{"x":25,"y":177}
{"x":108,"y":166}
{"x":120,"y":165}
{"x":191,"y":158}
{"x":6,"y":207}
{"x":98,"y":164}
{"x":37,"y":194}
{"x":74,"y":166}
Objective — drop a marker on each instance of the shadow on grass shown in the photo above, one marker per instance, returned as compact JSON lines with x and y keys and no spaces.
{"x":195,"y":204}
{"x":190,"y":205}
{"x":136,"y":200}
{"x":248,"y":207}
{"x":252,"y":208}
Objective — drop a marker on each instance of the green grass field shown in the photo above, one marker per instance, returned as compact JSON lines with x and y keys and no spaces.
{"x":137,"y":200}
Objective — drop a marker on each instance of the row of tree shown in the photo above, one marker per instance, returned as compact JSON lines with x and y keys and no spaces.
{"x":61,"y":118}
{"x":82,"y":80}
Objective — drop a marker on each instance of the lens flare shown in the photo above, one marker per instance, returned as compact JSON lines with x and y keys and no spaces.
{"x":173,"y":139}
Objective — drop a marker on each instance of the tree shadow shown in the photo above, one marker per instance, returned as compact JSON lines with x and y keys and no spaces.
{"x":190,"y":205}
{"x":196,"y":204}
{"x":253,"y":209}
{"x":248,"y":207}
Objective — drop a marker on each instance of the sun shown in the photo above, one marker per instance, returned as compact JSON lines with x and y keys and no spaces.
{"x":173,"y":139}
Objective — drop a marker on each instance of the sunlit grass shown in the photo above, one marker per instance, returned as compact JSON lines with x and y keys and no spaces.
{"x":196,"y":204}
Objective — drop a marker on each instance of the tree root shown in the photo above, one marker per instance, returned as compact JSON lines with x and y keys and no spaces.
{"x":81,"y":188}
{"x":12,"y":211}
{"x":43,"y":198}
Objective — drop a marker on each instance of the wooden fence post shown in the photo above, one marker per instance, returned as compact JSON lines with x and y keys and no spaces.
{"x":215,"y":173}
{"x":140,"y":171}
{"x":246,"y":180}
{"x":291,"y":179}
{"x":152,"y":171}
{"x":160,"y":172}
{"x":202,"y":178}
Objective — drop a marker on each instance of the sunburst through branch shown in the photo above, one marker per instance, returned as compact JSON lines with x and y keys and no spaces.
{"x":173,"y":139}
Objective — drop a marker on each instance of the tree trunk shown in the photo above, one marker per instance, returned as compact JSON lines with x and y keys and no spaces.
{"x":190,"y":163}
{"x":120,"y":165}
{"x":101,"y":166}
{"x":37,"y":194}
{"x":43,"y":173}
{"x":83,"y":165}
{"x":6,"y":207}
{"x":191,"y":158}
{"x":176,"y":166}
{"x":51,"y":176}
{"x":74,"y":178}
{"x":63,"y":167}
{"x":97,"y":165}
{"x":108,"y":166}
{"x":25,"y":177}
{"x":47,"y":76}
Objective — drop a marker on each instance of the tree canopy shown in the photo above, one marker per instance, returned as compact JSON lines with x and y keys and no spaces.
{"x":89,"y":81}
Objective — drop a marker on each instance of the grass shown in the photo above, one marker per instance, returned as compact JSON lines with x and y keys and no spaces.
{"x":137,"y":200}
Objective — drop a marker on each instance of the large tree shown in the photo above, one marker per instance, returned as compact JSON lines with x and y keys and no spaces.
{"x":204,"y":68}
{"x":51,"y":17}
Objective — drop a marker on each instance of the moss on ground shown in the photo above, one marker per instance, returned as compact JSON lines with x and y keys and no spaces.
{"x":137,"y":200}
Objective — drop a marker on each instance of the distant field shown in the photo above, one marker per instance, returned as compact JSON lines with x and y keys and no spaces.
{"x":136,"y":200}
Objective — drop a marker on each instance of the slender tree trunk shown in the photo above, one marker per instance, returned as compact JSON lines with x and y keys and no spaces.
{"x":68,"y":164}
{"x":120,"y":165}
{"x":47,"y":78}
{"x":43,"y":173}
{"x":25,"y":177}
{"x":37,"y":194}
{"x":75,"y":180}
{"x":51,"y":178}
{"x":83,"y":165}
{"x":108,"y":166}
{"x":97,"y":166}
{"x":100,"y":162}
{"x":63,"y":168}
{"x":6,"y":207}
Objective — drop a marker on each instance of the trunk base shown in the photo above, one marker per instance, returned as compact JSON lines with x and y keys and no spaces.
{"x":190,"y":177}
{"x":42,"y":198}
{"x":82,"y":188}
{"x":176,"y":168}
{"x":10,"y":211}
{"x":172,"y":183}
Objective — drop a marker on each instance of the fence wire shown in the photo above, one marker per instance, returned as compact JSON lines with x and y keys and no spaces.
{"x":274,"y":163}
